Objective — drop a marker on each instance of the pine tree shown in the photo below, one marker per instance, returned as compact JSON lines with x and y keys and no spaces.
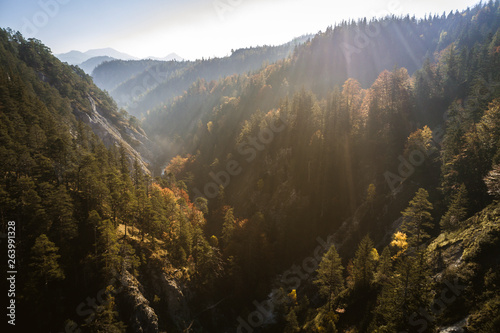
{"x":417,"y":218}
{"x":44,"y":261}
{"x":364,"y":263}
{"x":108,"y":249}
{"x":106,"y":316}
{"x":329,"y":278}
{"x":64,"y":226}
{"x":384,"y":265}
{"x":228,"y":227}
{"x":292,"y":325}
{"x":405,"y":293}
{"x":457,"y":211}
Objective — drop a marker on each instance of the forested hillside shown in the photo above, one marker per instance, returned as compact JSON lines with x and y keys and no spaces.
{"x":73,"y":200}
{"x":142,"y":85}
{"x":321,"y":141}
{"x":349,"y":184}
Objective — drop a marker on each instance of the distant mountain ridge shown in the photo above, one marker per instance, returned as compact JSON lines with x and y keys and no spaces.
{"x":89,"y":65}
{"x":169,"y":57}
{"x":145,"y":84}
{"x":90,"y":59}
{"x":77,"y":57}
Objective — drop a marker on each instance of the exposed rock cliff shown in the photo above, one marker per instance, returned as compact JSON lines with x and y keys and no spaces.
{"x":140,"y":315}
{"x":134,"y":141}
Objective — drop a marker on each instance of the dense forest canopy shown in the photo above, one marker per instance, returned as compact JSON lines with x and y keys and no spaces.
{"x":348,"y":182}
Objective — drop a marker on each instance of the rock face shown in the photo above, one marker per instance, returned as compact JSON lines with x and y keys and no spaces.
{"x":112,"y":135}
{"x":173,"y":293}
{"x":177,"y":306}
{"x":141,"y":317}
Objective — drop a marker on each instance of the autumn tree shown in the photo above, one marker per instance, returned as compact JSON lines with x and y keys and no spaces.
{"x":352,"y":99}
{"x":420,"y":140}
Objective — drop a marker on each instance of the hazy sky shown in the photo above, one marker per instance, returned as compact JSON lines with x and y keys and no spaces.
{"x":192,"y":28}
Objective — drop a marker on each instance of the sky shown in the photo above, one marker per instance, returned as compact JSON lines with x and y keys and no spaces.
{"x":192,"y":28}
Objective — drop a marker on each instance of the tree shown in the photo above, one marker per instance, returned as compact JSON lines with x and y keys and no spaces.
{"x":60,"y":210}
{"x":228,"y":227}
{"x":400,"y":242}
{"x":108,"y":249}
{"x":106,"y":316}
{"x":352,"y":98}
{"x":384,"y":265}
{"x":405,"y":293}
{"x":420,"y":140}
{"x":364,"y":263}
{"x":329,"y":278}
{"x":417,"y":218}
{"x":371,"y":193}
{"x":44,"y":261}
{"x":457,"y":211}
{"x":292,"y":325}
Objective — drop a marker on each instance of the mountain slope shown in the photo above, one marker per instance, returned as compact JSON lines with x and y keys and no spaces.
{"x":150,"y":84}
{"x":89,"y":64}
{"x":168,"y":57}
{"x":76,"y":57}
{"x":73,"y":182}
{"x":298,"y":148}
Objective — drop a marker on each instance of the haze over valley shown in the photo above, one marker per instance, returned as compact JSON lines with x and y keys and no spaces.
{"x":305,"y":168}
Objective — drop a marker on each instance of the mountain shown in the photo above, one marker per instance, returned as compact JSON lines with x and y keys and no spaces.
{"x":395,"y":166}
{"x":109,"y":75}
{"x":77,"y":57}
{"x":141,"y":85}
{"x":89,"y":65}
{"x":346,"y":183}
{"x":110,"y":52}
{"x":169,"y":57}
{"x":73,"y":57}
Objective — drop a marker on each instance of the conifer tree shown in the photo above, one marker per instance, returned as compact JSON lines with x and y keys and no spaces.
{"x":108,"y":249}
{"x":329,"y":278}
{"x":384,"y":265}
{"x":457,"y":211}
{"x":105,"y":318}
{"x":44,"y":261}
{"x":405,"y":293}
{"x":292,"y":325}
{"x":417,"y":218}
{"x":364,"y":263}
{"x":228,"y":227}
